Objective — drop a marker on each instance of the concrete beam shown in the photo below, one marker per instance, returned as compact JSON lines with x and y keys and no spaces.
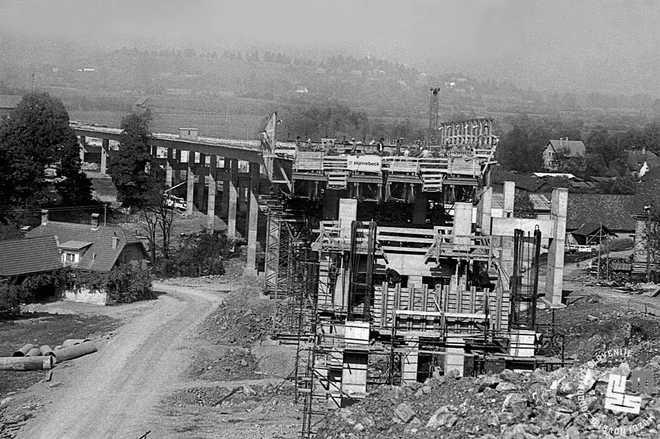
{"x":190,"y":188}
{"x":484,"y":210}
{"x":232,"y":199}
{"x":509,"y":197}
{"x":200,"y":171}
{"x":253,"y":215}
{"x":169,"y":170}
{"x":210,"y":209}
{"x":462,"y":229}
{"x":105,"y":145}
{"x":555,"y":277}
{"x":232,"y":149}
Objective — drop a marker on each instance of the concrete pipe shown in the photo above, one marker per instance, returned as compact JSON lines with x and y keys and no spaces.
{"x":34,"y":352}
{"x":46,"y":350}
{"x":26,"y":363}
{"x":76,"y":351}
{"x":22,"y":352}
{"x":73,"y":342}
{"x":59,"y":346}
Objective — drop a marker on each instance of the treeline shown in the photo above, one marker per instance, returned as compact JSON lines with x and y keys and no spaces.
{"x":607,"y":149}
{"x":339,"y":121}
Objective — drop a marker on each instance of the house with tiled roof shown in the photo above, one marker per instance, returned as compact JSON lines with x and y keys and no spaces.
{"x":20,"y":257}
{"x":571,"y":149}
{"x":616,"y":213}
{"x":91,"y":247}
{"x":640,"y":161}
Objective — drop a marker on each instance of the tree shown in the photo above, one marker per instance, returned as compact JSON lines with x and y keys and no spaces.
{"x":36,"y":135}
{"x":74,"y":186}
{"x":131,"y":167}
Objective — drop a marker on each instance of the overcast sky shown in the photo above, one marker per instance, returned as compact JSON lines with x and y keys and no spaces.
{"x":586,"y":45}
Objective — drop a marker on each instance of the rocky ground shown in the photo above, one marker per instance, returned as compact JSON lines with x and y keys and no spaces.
{"x":507,"y":406}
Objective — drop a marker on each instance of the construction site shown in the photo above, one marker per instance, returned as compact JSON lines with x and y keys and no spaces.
{"x":391,"y":269}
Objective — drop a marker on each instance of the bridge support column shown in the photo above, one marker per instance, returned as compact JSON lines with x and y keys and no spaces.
{"x":201,"y":184}
{"x":555,"y":278}
{"x":253,"y":215}
{"x":176,"y":167}
{"x":224,"y":205}
{"x":232,"y":198}
{"x":190,"y":184}
{"x":105,"y":144}
{"x":210,"y":210}
{"x":169,"y":172}
{"x":83,"y":140}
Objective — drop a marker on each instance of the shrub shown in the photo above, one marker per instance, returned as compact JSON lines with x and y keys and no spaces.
{"x":201,"y":254}
{"x":123,"y":284}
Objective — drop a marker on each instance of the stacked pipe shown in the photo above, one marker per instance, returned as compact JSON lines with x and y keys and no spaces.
{"x":31,"y":357}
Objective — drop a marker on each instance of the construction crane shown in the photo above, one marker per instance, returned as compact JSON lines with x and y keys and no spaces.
{"x":433,"y":117}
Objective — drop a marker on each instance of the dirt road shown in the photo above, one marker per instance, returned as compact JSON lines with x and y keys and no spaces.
{"x":115,"y":392}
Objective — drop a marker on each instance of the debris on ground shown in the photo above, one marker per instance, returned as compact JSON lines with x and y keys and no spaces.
{"x":510,"y":405}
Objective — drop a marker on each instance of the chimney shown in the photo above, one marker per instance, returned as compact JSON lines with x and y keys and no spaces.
{"x":44,"y":217}
{"x":95,"y":221}
{"x":115,"y":240}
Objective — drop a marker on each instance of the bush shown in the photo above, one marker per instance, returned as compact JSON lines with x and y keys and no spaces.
{"x":123,"y":284}
{"x":11,"y":296}
{"x":201,"y":254}
{"x":29,"y":288}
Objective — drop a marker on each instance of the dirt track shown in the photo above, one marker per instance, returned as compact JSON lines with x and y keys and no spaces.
{"x":115,"y":392}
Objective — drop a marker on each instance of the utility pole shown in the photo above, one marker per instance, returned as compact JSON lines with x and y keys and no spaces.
{"x":647,"y":209}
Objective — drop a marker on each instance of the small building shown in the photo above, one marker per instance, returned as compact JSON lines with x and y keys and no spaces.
{"x":615,"y":213}
{"x":571,"y":149}
{"x":91,"y":247}
{"x":20,"y":257}
{"x":640,"y":161}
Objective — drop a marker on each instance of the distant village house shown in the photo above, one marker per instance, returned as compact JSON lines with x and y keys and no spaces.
{"x":555,"y":150}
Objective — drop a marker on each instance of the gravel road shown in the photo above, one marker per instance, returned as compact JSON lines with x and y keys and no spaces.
{"x":114,"y":393}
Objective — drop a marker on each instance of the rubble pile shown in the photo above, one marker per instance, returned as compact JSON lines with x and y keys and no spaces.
{"x":243,"y":318}
{"x":526,"y":405}
{"x":609,"y":329}
{"x":228,"y":365}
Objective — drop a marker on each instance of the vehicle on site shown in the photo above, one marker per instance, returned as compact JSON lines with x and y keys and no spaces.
{"x":174,"y":202}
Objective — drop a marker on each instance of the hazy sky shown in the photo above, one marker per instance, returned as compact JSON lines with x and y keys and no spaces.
{"x":587,"y":45}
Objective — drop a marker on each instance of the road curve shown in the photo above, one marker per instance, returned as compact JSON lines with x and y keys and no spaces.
{"x":114,"y":393}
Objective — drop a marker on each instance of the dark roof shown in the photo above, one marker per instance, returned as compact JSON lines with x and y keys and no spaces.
{"x":539,"y":201}
{"x":32,"y":255}
{"x":100,"y":256}
{"x":527,"y":183}
{"x":614,"y":211}
{"x":636,"y":158}
{"x":574,"y":147}
{"x":10,"y":101}
{"x":591,"y":229}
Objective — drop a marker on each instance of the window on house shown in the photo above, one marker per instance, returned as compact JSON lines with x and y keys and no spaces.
{"x":70,"y":258}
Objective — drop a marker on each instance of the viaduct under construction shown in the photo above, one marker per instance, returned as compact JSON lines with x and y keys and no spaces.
{"x":386,"y":268}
